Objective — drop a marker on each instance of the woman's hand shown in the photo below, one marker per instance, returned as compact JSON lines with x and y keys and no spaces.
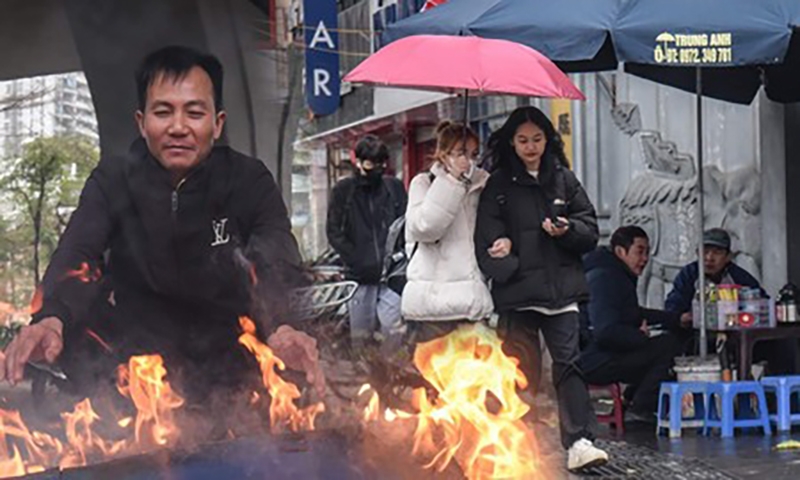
{"x":553,"y":230}
{"x":500,"y":248}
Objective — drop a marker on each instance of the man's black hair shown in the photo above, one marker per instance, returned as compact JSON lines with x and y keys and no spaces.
{"x":625,"y":236}
{"x":370,"y":147}
{"x":175,"y":62}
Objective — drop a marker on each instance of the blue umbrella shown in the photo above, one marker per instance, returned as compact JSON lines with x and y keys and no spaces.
{"x":739,"y":44}
{"x":575,"y":34}
{"x":595,"y":35}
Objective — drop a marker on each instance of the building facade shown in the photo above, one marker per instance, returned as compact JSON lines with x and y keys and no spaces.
{"x":45,"y":106}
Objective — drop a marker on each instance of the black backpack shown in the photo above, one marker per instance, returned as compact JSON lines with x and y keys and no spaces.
{"x":396,"y":260}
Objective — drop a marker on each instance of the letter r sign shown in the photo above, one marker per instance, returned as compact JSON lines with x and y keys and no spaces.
{"x":322,"y":55}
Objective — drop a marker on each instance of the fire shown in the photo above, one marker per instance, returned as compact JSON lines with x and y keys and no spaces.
{"x":371,"y":412}
{"x":97,"y":338}
{"x":85,"y":273}
{"x":23,"y":451}
{"x":37,"y":300}
{"x":40,"y":448}
{"x":14,"y":466}
{"x":82,"y":440}
{"x":476,"y":417}
{"x":142,"y":380}
{"x":282,"y":410}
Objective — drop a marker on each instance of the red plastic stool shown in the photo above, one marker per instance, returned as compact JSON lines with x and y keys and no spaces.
{"x":615,"y":418}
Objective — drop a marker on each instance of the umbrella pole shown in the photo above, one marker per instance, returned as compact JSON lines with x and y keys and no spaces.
{"x":466,"y":112}
{"x":700,"y":220}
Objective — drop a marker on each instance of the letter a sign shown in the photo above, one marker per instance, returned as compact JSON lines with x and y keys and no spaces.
{"x":322,"y":55}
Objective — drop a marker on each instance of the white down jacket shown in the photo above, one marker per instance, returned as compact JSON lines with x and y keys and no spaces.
{"x":444,"y":281}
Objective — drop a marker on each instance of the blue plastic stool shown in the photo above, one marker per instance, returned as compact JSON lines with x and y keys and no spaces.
{"x":670,"y":415}
{"x":727,"y":392}
{"x":783,"y":387}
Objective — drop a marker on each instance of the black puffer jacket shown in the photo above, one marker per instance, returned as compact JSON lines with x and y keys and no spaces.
{"x":541,"y":270}
{"x":614,"y":314}
{"x":175,"y":254}
{"x":359,"y":216}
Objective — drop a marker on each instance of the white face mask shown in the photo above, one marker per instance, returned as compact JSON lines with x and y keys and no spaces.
{"x":472,"y":166}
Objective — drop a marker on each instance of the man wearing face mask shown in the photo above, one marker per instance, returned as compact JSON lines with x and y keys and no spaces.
{"x":361,"y":209}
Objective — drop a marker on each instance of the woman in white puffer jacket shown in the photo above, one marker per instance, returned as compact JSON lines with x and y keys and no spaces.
{"x":444,"y":284}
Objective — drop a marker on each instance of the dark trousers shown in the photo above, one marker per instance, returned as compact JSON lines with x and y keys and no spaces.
{"x":576,"y":414}
{"x":644,"y":369}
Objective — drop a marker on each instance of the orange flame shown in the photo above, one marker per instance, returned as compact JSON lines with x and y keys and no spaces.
{"x":37,"y":300}
{"x":371,"y":413}
{"x":97,"y":338}
{"x":40,"y":448}
{"x":282,"y":410}
{"x":125,"y":422}
{"x":476,"y":418}
{"x":85,"y":273}
{"x":32,"y":451}
{"x":83,"y":440}
{"x":142,"y":380}
{"x":13,"y":466}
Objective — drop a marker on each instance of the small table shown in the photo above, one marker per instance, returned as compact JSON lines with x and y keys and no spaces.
{"x":747,"y":337}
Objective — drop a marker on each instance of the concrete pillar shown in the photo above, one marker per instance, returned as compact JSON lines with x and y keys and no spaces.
{"x":773,"y":156}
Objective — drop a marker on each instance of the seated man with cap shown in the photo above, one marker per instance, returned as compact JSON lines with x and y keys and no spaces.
{"x":720,"y":269}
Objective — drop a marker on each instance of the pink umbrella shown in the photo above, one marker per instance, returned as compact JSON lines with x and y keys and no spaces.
{"x":470,"y":65}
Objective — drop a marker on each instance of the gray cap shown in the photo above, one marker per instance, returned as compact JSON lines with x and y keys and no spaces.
{"x":717,"y":237}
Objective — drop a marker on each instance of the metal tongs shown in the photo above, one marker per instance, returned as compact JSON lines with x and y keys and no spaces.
{"x":51,"y":369}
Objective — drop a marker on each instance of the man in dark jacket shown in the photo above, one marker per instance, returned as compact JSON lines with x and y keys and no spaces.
{"x":192,"y":233}
{"x":362,"y":208}
{"x":621,"y":347}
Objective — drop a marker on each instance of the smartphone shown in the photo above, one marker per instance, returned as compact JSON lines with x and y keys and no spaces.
{"x":559,"y":209}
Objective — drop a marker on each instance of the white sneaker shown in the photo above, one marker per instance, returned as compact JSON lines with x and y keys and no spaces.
{"x":583,"y":454}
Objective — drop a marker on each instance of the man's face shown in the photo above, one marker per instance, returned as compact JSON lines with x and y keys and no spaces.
{"x":715,"y":260}
{"x":636,"y":257}
{"x":180,"y":122}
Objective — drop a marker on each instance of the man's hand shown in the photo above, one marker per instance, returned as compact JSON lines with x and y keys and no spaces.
{"x":39,"y":342}
{"x":553,"y":230}
{"x":299,"y":352}
{"x":644,"y":328}
{"x":686,"y":320}
{"x":500,"y":248}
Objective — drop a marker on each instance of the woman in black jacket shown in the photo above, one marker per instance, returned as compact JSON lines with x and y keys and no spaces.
{"x":534,"y":223}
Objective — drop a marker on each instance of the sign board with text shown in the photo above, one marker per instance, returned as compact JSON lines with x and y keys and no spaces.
{"x":322,"y":55}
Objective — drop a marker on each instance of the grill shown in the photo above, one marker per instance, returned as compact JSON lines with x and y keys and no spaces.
{"x":310,"y":456}
{"x":635,"y":462}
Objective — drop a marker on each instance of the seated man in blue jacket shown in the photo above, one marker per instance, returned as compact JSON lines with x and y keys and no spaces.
{"x":780,"y":355}
{"x":621,"y":347}
{"x":719,"y":269}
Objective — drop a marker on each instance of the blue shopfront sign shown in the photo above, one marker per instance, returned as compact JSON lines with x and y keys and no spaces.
{"x":322,"y":55}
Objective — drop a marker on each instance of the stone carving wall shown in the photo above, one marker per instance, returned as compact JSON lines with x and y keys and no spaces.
{"x":663,"y":199}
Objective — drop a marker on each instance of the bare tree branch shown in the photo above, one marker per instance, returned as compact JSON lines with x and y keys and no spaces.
{"x":30,"y":99}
